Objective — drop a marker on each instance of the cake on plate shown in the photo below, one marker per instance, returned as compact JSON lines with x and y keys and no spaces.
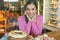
{"x":17,"y":34}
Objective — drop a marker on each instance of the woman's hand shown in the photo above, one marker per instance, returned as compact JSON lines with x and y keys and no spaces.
{"x":31,"y":18}
{"x":34,"y":18}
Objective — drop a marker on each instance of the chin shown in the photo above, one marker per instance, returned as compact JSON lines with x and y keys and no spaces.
{"x":31,"y":16}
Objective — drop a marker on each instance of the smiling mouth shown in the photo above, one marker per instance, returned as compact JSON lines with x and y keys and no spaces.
{"x":31,"y":16}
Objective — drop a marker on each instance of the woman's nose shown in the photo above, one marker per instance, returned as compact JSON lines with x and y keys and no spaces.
{"x":31,"y":11}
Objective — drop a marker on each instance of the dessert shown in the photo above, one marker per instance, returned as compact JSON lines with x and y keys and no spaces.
{"x":17,"y":34}
{"x":29,"y":37}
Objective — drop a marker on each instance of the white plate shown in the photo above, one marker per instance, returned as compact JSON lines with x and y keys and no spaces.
{"x":13,"y":34}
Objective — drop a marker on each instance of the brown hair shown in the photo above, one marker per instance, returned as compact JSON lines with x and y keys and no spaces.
{"x":31,"y":2}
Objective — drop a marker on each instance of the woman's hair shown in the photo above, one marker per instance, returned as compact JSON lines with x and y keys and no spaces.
{"x":26,"y":19}
{"x":30,"y":2}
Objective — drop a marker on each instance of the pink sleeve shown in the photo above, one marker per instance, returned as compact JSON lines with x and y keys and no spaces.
{"x":20,"y":23}
{"x":28,"y":27}
{"x":23,"y":26}
{"x":37,"y":29}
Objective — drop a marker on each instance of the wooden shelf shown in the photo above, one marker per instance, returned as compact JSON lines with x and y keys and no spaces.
{"x":2,"y":25}
{"x":2,"y":32}
{"x":53,"y":14}
{"x":1,"y":19}
{"x":50,"y":24}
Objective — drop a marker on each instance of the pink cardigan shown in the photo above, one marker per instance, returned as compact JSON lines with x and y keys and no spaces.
{"x":36,"y":28}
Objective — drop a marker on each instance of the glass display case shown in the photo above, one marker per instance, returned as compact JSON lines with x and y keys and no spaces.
{"x":51,"y":12}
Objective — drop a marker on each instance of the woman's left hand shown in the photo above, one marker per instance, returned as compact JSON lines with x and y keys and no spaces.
{"x":34,"y":18}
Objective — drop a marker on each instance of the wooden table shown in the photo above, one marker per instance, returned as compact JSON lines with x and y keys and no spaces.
{"x":55,"y":34}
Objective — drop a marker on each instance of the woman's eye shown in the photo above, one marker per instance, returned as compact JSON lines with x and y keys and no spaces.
{"x":27,"y":9}
{"x":33,"y":9}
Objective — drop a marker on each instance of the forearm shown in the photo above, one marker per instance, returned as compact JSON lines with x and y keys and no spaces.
{"x":28,"y":27}
{"x":37,"y":28}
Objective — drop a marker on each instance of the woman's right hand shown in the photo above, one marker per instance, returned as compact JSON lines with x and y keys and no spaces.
{"x":30,"y":19}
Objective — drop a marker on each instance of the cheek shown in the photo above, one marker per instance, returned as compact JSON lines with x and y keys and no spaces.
{"x":34,"y":12}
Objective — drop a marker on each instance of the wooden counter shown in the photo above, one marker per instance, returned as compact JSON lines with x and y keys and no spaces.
{"x":55,"y":34}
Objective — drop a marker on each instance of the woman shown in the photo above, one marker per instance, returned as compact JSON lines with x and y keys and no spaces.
{"x":31,"y":23}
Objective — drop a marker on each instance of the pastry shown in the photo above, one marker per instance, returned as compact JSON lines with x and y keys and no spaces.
{"x":29,"y":37}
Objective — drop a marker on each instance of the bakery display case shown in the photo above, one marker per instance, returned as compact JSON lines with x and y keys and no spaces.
{"x":53,"y":13}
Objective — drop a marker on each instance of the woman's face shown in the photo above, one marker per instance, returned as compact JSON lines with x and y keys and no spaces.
{"x":31,"y":10}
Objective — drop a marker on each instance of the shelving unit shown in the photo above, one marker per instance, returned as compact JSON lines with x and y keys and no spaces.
{"x":2,"y":25}
{"x":53,"y":13}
